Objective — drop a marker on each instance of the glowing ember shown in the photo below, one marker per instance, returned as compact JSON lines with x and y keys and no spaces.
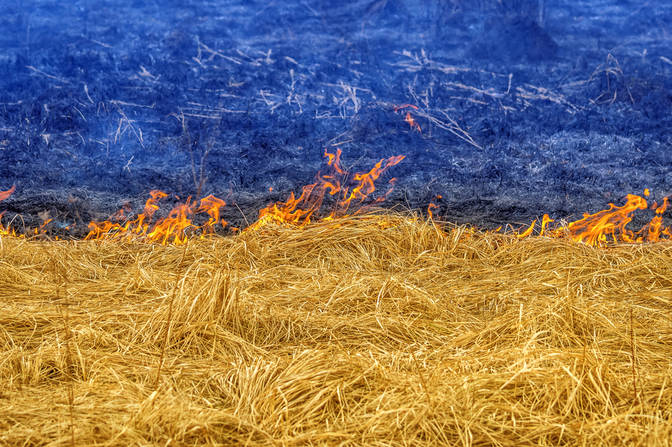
{"x":411,"y":122}
{"x":409,"y":118}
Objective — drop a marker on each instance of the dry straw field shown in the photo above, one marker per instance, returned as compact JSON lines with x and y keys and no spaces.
{"x":368,"y":331}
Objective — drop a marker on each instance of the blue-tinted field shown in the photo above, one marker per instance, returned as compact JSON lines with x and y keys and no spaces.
{"x":524,"y":107}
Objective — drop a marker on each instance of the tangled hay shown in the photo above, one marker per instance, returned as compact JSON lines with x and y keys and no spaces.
{"x":373,"y":330}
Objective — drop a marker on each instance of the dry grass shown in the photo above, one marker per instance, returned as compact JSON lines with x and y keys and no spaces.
{"x":378,"y":332}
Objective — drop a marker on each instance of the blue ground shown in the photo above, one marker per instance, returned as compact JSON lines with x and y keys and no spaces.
{"x":524,"y":107}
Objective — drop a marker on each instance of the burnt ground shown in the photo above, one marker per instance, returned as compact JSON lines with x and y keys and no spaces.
{"x":525,"y":108}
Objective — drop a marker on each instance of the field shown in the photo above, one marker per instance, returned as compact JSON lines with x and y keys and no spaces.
{"x":526,"y":143}
{"x":377,"y":330}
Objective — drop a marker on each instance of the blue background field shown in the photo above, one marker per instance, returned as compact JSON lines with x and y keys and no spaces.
{"x":525,"y":107}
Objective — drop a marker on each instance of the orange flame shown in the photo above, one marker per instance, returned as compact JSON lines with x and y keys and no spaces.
{"x":433,"y":206}
{"x":211,"y":205}
{"x":602,"y":227}
{"x":653,"y":229}
{"x":178,"y":225}
{"x":4,"y":195}
{"x":174,"y":228}
{"x":610,"y":225}
{"x":299,"y":211}
{"x":9,"y":231}
{"x":42,"y":228}
{"x":527,"y":232}
{"x":430,"y":207}
{"x":411,"y":122}
{"x":595,"y":229}
{"x":545,"y":220}
{"x":409,"y":118}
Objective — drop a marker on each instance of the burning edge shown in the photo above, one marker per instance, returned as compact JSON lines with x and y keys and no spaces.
{"x":336,"y":194}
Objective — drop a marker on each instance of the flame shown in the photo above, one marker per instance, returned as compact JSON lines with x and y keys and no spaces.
{"x":545,"y":220}
{"x":42,"y":228}
{"x":178,"y":225}
{"x":175,"y":228}
{"x":595,"y":229}
{"x":411,"y":122}
{"x":430,"y":207}
{"x":409,"y":118}
{"x":212,"y":205}
{"x":336,"y":183}
{"x":9,"y":231}
{"x":653,"y":231}
{"x":4,"y":195}
{"x":346,"y":195}
{"x":527,"y":232}
{"x":610,"y":224}
{"x":433,"y":206}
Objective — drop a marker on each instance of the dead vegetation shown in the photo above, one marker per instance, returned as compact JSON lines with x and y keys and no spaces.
{"x":372,"y":330}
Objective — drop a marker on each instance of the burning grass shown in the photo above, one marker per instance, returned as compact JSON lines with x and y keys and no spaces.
{"x":336,"y":194}
{"x":387,"y":331}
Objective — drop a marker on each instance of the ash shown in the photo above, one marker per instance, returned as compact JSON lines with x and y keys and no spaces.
{"x":522,"y":107}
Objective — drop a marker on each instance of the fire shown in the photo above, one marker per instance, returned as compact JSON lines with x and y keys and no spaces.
{"x":411,"y":122}
{"x":346,"y":194}
{"x":9,"y":231}
{"x":653,"y":229}
{"x":545,"y":220}
{"x":528,"y":231}
{"x":336,"y":183}
{"x":597,"y":228}
{"x":432,"y":206}
{"x":610,"y":224}
{"x":409,"y":118}
{"x":4,"y":195}
{"x":175,"y":228}
{"x":211,"y":206}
